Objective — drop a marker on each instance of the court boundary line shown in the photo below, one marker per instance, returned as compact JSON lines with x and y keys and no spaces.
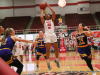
{"x":97,"y":69}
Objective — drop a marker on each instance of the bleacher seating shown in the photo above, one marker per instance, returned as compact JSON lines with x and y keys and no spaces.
{"x":16,"y":23}
{"x":98,"y":15}
{"x":37,"y":22}
{"x":72,"y":20}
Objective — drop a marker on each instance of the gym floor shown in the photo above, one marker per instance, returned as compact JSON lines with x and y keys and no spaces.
{"x":69,"y":61}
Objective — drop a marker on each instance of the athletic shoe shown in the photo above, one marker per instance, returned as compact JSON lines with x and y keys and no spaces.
{"x":57,"y":63}
{"x":49,"y":67}
{"x":93,"y":73}
{"x":37,"y":68}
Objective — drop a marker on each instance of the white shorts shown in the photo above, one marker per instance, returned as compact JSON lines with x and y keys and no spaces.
{"x":50,"y":38}
{"x":19,"y":52}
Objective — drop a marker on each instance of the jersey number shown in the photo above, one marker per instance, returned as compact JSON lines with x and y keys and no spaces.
{"x":81,"y":41}
{"x":41,"y":43}
{"x":19,"y":46}
{"x":49,"y":25}
{"x":5,"y":42}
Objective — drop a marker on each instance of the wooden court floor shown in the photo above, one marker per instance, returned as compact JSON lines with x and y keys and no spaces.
{"x":69,"y":61}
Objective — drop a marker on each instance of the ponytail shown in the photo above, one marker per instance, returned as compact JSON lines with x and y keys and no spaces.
{"x":7,"y":34}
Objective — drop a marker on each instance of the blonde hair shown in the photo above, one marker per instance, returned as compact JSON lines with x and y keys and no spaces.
{"x":7,"y":34}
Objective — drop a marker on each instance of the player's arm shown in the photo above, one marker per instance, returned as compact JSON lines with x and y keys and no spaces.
{"x":0,"y":39}
{"x":53,"y":12}
{"x":22,"y":40}
{"x":41,"y":17}
{"x":89,"y":32}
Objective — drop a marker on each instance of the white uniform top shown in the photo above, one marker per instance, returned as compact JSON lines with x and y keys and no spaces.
{"x":19,"y":45}
{"x":49,"y":26}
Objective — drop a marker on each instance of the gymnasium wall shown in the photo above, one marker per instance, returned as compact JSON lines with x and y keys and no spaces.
{"x":9,"y":8}
{"x":94,"y":6}
{"x":6,"y":8}
{"x":24,"y":8}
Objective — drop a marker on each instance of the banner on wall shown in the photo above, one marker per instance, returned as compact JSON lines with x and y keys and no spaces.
{"x":22,"y":36}
{"x":96,"y":34}
{"x":84,"y":8}
{"x":44,"y":11}
{"x":39,"y":11}
{"x":29,"y":37}
{"x":62,"y":46}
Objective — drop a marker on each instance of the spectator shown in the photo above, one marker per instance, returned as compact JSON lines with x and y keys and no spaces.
{"x":32,"y":48}
{"x":98,"y":45}
{"x":67,"y":46}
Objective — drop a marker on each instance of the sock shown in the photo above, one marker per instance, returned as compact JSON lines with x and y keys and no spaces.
{"x":37,"y":65}
{"x":48,"y":61}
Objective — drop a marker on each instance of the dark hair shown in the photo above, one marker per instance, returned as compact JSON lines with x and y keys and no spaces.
{"x":83,"y":25}
{"x":46,"y":14}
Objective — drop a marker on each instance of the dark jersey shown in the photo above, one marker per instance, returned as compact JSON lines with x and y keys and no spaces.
{"x":81,"y":39}
{"x":8,"y":43}
{"x":41,"y":43}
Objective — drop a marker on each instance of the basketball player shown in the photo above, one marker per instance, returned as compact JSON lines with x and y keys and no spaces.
{"x":7,"y":43}
{"x":83,"y":48}
{"x":41,"y":49}
{"x":50,"y":36}
{"x":19,"y":49}
{"x":1,"y":30}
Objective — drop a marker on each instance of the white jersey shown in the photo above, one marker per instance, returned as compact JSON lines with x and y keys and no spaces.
{"x":49,"y":26}
{"x":19,"y":45}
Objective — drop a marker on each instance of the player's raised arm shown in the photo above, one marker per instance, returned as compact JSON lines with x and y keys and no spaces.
{"x":53,"y":12}
{"x":89,"y":32}
{"x":41,"y":17}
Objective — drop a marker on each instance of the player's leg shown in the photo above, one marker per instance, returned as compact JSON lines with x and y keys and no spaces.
{"x":38,"y":54}
{"x":55,"y":44}
{"x":19,"y":66}
{"x":21,"y":57}
{"x":44,"y":53}
{"x":88,"y":62}
{"x":85,"y":54}
{"x":16,"y":54}
{"x":37,"y":62}
{"x":56,"y":54}
{"x":48,"y":45}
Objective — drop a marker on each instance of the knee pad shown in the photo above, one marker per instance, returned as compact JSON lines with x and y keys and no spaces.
{"x":37,"y":57}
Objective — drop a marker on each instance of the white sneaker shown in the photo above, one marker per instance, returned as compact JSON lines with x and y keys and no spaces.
{"x":93,"y":73}
{"x":49,"y":67}
{"x":37,"y":68}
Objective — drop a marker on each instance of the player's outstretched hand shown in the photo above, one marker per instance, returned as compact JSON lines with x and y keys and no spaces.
{"x":35,"y":42}
{"x":46,"y":3}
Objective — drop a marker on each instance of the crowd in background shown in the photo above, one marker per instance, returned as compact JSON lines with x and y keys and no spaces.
{"x":71,"y":43}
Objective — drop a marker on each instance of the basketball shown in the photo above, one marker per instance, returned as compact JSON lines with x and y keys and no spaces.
{"x":43,"y":6}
